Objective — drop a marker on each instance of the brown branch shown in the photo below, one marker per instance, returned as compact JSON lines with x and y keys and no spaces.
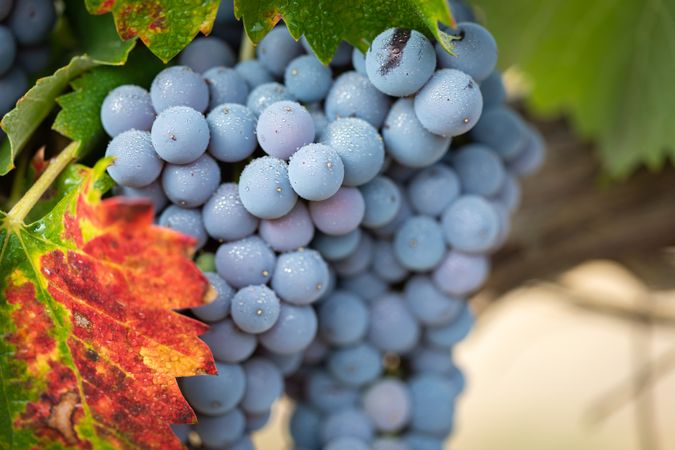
{"x":568,"y":216}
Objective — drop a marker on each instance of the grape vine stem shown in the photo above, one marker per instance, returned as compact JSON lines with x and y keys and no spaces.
{"x":247,"y":50}
{"x":19,"y":212}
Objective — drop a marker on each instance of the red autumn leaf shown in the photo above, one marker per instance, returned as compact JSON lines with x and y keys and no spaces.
{"x":91,"y":345}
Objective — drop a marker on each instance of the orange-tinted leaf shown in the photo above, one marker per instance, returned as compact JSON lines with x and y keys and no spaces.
{"x":91,"y":345}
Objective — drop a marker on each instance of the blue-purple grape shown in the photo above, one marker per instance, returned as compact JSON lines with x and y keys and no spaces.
{"x":180,"y":135}
{"x":232,"y":129}
{"x":246,"y":262}
{"x":191,"y":185}
{"x":127,"y":107}
{"x":135,"y":163}
{"x":179,"y":86}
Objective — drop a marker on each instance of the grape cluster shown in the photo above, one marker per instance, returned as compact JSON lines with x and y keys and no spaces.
{"x":24,"y":28}
{"x":344,"y":214}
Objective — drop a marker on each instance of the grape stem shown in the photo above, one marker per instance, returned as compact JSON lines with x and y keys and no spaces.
{"x":247,"y":49}
{"x":19,"y":212}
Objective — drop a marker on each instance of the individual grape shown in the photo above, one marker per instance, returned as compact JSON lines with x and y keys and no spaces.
{"x":127,"y":107}
{"x":300,"y":277}
{"x":475,"y":51}
{"x":245,"y":443}
{"x":433,"y":189}
{"x":307,"y":79}
{"x":31,"y":21}
{"x":228,"y":343}
{"x":320,"y":121}
{"x":350,"y":422}
{"x":180,"y":135}
{"x":352,"y":95}
{"x":419,"y":243}
{"x":450,"y":104}
{"x":255,"y":309}
{"x":7,"y":49}
{"x":135,"y":163}
{"x":492,"y":89}
{"x":5,"y":8}
{"x":255,"y":422}
{"x":277,"y":49}
{"x":191,"y":185}
{"x":479,"y":169}
{"x":432,"y":360}
{"x":283,"y":127}
{"x":225,"y":86}
{"x":357,"y":262}
{"x":222,"y":430}
{"x":327,"y":394}
{"x":399,"y":61}
{"x":181,"y":430}
{"x":232,"y":129}
{"x":532,"y":155}
{"x":471,"y":224}
{"x":428,"y":304}
{"x":253,"y":72}
{"x":265,"y":190}
{"x":204,"y":53}
{"x":265,"y":94}
{"x":389,"y":443}
{"x":459,"y":274}
{"x":388,"y":404}
{"x":366,"y":284}
{"x":407,"y":141}
{"x":337,"y":247}
{"x":383,"y":200}
{"x":355,"y":366}
{"x":215,"y":395}
{"x":360,"y":147}
{"x":420,"y":441}
{"x":509,"y":194}
{"x":461,"y":11}
{"x":343,"y":318}
{"x":293,"y":332}
{"x":445,"y":336}
{"x":246,"y":262}
{"x":264,"y":384}
{"x":316,"y":172}
{"x":152,"y":192}
{"x":184,"y":220}
{"x":13,"y":85}
{"x":392,"y":327}
{"x":503,"y":131}
{"x":179,"y":86}
{"x":339,"y":214}
{"x":385,"y":263}
{"x":390,"y":229}
{"x":359,"y":61}
{"x":346,"y":443}
{"x":290,"y":232}
{"x":287,"y":364}
{"x":220,"y":305}
{"x":225,"y":217}
{"x":35,"y":59}
{"x":433,"y":400}
{"x":304,"y":427}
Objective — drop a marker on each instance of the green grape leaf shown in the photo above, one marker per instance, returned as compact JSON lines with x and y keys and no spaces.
{"x":21,"y":122}
{"x":96,"y":35}
{"x":325,"y":23}
{"x":164,"y":26}
{"x":608,"y":64}
{"x":79,"y":118}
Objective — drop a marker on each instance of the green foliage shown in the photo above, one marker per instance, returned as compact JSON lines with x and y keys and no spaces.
{"x":33,"y":108}
{"x":97,"y":35}
{"x":609,"y":64}
{"x":326,"y":22}
{"x":79,"y":118}
{"x":164,"y":26}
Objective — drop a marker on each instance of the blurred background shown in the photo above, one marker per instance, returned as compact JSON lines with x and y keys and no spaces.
{"x":574,"y":346}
